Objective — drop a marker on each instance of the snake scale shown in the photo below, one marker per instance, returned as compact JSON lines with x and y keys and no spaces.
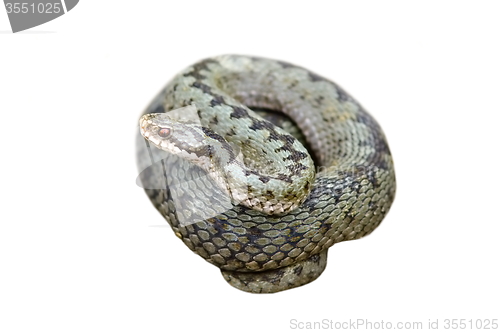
{"x":259,"y":166}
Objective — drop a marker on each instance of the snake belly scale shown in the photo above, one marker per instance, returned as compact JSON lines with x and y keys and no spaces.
{"x":259,"y":166}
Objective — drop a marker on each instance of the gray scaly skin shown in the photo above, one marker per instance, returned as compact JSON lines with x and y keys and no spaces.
{"x":242,"y":192}
{"x":247,"y":182}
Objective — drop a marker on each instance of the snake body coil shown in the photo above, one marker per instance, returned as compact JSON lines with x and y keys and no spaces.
{"x":262,"y":166}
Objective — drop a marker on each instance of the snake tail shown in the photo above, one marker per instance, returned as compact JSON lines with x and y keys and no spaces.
{"x":275,"y":280}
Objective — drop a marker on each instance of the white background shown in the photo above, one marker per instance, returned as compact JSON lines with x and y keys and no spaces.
{"x":83,"y":250}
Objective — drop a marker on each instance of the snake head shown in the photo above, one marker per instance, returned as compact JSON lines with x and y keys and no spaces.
{"x":170,"y":133}
{"x":180,"y":132}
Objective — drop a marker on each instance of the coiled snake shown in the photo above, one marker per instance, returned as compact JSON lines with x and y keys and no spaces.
{"x":230,"y":170}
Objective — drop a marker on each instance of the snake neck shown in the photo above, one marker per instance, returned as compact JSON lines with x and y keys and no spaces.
{"x":261,"y":176}
{"x":257,"y":184}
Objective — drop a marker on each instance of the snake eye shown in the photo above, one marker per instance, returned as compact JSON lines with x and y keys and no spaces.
{"x":164,"y":132}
